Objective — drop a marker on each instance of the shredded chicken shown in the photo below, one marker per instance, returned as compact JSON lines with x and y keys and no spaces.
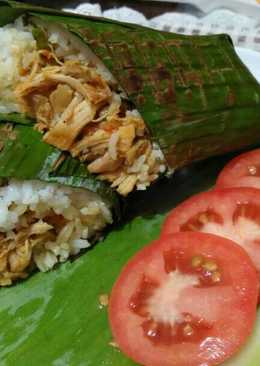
{"x":16,"y":258}
{"x":34,"y":237}
{"x":78,"y":111}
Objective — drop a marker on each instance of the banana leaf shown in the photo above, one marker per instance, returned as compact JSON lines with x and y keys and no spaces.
{"x":24,"y":155}
{"x":195,"y":95}
{"x":55,"y":318}
{"x":20,"y":118}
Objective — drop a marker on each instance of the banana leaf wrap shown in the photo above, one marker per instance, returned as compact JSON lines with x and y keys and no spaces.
{"x":196,"y":96}
{"x":24,"y":155}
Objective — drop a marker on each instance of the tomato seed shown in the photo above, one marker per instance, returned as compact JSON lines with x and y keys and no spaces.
{"x":203,"y":218}
{"x":210,"y":266}
{"x":151,"y":330}
{"x":187,"y":330}
{"x":252,"y":170}
{"x":196,"y":261}
{"x":169,"y":261}
{"x":188,"y":318}
{"x":192,"y":227}
{"x":216,"y":276}
{"x":197,"y":222}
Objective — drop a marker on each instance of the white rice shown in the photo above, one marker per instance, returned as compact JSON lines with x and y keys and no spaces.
{"x":18,"y":48}
{"x":17,"y":51}
{"x":84,"y":211}
{"x":71,"y":47}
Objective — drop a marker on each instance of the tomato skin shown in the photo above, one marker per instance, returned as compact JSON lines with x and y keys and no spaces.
{"x":218,"y":199}
{"x":242,"y":171}
{"x":237,"y":309}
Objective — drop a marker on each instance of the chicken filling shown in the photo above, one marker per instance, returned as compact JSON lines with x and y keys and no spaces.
{"x":78,"y":110}
{"x":42,"y":224}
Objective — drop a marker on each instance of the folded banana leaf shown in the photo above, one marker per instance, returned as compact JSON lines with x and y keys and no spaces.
{"x":24,"y":155}
{"x":195,"y":95}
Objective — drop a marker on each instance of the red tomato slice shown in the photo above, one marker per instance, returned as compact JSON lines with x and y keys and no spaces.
{"x":243,"y":171}
{"x":233,"y":213}
{"x":187,"y":299}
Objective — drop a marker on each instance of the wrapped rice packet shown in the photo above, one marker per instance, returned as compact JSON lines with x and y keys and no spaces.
{"x":130,"y":102}
{"x":51,"y":208}
{"x":92,"y":109}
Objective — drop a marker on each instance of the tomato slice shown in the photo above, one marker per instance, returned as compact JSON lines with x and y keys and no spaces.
{"x":187,"y":299}
{"x":243,"y":171}
{"x":233,"y":213}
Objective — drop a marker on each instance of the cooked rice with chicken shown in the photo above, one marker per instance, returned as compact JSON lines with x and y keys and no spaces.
{"x":42,"y":224}
{"x":77,"y":105}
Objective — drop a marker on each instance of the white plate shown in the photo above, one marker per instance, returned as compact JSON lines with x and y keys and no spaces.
{"x":251,"y":59}
{"x":247,"y":7}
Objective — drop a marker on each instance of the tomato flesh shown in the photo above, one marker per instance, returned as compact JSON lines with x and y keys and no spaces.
{"x":233,"y":213}
{"x":243,"y":171}
{"x":187,"y":299}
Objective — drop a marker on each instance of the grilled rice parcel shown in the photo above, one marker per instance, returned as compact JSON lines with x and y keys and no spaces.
{"x":50,"y":76}
{"x":91,"y":110}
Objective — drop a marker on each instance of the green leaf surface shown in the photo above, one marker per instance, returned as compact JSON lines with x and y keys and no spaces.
{"x":55,"y":318}
{"x":196,"y":96}
{"x":8,"y":14}
{"x":17,"y":118}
